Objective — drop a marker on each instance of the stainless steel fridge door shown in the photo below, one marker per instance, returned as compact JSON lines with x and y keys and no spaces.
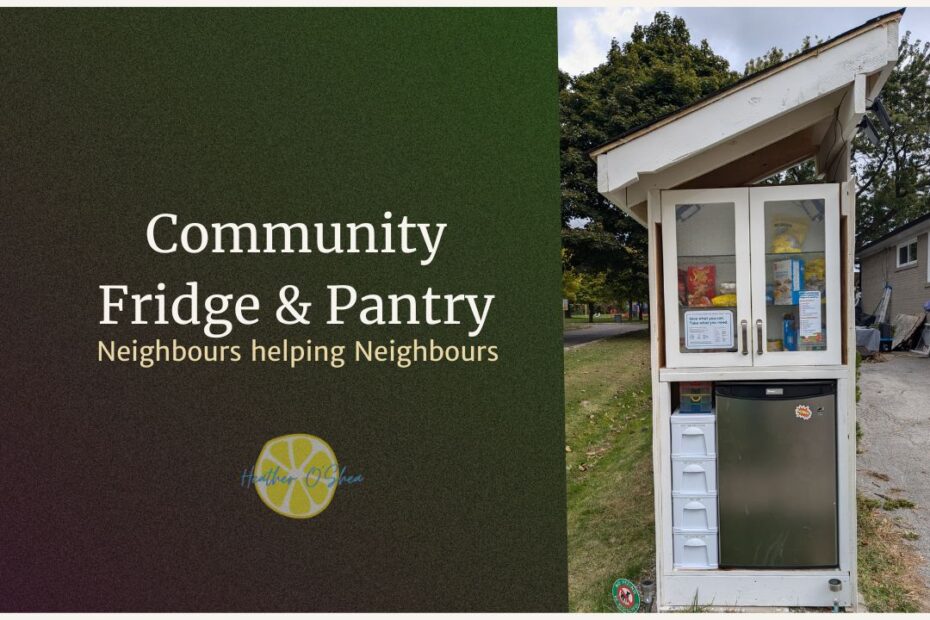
{"x":776,"y":451}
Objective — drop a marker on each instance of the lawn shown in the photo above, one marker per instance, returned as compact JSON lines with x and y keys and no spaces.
{"x":608,"y":429}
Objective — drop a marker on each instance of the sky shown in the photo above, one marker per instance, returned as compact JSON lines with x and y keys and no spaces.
{"x":737,"y":34}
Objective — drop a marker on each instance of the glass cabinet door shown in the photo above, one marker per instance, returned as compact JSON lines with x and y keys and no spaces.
{"x":706,"y":273}
{"x":795,"y":275}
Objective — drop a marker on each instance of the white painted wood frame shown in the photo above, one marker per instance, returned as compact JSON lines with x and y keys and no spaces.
{"x":680,"y":588}
{"x":739,"y":198}
{"x":758,"y":196}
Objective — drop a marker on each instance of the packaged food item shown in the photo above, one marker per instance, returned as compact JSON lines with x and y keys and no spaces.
{"x":788,"y":277}
{"x":790,"y":332}
{"x":788,"y":235}
{"x":814,"y":342}
{"x":775,"y":344}
{"x":702,"y":283}
{"x":726,"y":288}
{"x":815,"y":275}
{"x":696,"y":397}
{"x":724,"y":300}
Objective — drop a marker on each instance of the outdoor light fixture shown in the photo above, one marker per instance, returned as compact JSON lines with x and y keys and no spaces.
{"x":648,"y":588}
{"x":686,"y":212}
{"x":814,"y":209}
{"x":836,"y":586}
{"x":865,"y":126}
{"x":883,"y":119}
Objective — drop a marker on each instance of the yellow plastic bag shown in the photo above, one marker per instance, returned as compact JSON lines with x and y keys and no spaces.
{"x":789,"y":235}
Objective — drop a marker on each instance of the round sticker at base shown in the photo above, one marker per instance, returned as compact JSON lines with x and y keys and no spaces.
{"x":625,"y":595}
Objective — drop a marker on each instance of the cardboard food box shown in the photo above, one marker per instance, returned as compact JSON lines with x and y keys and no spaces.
{"x":788,"y":276}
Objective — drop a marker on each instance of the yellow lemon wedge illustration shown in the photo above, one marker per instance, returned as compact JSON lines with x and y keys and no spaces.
{"x":296,"y":475}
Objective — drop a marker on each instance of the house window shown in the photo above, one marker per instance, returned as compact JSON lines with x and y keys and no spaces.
{"x":907,"y":253}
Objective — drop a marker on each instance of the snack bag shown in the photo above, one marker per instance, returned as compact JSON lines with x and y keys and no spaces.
{"x":788,"y":235}
{"x":702,"y":284}
{"x":724,"y":300}
{"x":815,"y":275}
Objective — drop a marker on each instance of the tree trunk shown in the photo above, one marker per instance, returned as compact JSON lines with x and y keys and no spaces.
{"x":590,"y":313}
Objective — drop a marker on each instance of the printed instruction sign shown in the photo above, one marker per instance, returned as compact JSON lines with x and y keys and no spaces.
{"x":709,"y":329}
{"x":809,"y":310}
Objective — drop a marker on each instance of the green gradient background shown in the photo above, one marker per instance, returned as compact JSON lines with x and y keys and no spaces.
{"x":120,"y":488}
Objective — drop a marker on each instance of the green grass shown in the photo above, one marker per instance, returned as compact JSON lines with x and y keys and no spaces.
{"x":608,"y":428}
{"x":895,"y":503}
{"x":887,"y":569}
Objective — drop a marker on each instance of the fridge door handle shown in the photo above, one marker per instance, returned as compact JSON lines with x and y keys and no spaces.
{"x":759,"y":350}
{"x":745,"y":325}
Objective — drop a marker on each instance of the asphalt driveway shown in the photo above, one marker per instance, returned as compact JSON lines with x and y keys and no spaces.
{"x":894,"y":462}
{"x":598,"y":331}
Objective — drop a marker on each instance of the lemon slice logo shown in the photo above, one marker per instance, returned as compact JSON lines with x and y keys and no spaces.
{"x":298,"y":475}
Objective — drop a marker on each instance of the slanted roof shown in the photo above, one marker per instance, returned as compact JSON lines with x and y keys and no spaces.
{"x":895,"y":236}
{"x":805,"y":107}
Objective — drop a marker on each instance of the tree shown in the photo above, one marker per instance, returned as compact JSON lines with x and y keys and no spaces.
{"x":571,"y":282}
{"x":592,"y":289}
{"x":658,"y":71}
{"x":894,"y":177}
{"x":777,"y":55}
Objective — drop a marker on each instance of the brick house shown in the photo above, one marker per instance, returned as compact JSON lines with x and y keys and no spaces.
{"x":902,"y":259}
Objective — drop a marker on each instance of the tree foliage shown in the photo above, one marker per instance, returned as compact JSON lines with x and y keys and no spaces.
{"x":777,"y":55}
{"x":658,"y":71}
{"x":894,"y":176}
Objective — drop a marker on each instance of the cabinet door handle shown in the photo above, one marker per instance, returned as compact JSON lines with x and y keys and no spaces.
{"x":745,"y":326}
{"x":759,"y":336}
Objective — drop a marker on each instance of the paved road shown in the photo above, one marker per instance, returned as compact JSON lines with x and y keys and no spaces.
{"x":598,"y":331}
{"x":894,"y":414}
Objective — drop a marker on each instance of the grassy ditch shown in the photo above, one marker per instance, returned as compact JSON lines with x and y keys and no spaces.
{"x":608,"y":428}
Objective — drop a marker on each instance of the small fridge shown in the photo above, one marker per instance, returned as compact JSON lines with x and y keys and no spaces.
{"x":776,"y":469}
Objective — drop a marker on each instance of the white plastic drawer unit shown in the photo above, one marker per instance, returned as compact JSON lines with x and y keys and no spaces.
{"x":694,"y":475}
{"x":695,"y":549}
{"x":693,"y":435}
{"x":694,"y":513}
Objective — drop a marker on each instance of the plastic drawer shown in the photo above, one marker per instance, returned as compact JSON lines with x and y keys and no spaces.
{"x":695,"y":549}
{"x":693,"y":435}
{"x":694,"y":476}
{"x":694,"y":513}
